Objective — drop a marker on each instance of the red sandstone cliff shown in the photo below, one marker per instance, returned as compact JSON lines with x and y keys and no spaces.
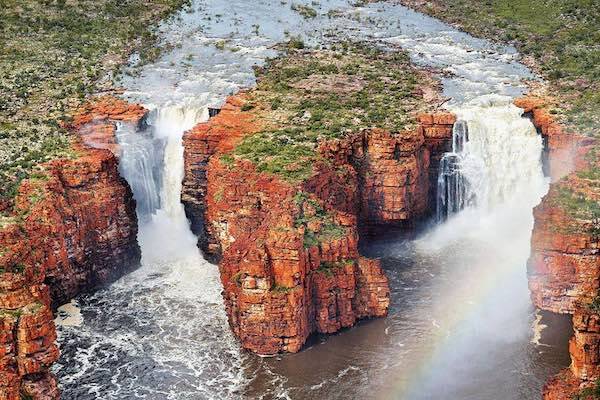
{"x":289,"y":252}
{"x":73,"y":228}
{"x":564,"y":264}
{"x":564,"y":267}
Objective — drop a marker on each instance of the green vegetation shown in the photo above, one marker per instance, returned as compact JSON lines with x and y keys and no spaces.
{"x":237,"y":278}
{"x":10,"y":313}
{"x":311,"y":212}
{"x":306,"y":97}
{"x":220,"y":45}
{"x":18,"y":268}
{"x":304,"y":10}
{"x":52,"y":54}
{"x":329,"y":268}
{"x":562,"y":36}
{"x":595,"y":305}
{"x":590,"y":393}
{"x":295,"y":43}
{"x":281,"y":289}
{"x":578,"y":206}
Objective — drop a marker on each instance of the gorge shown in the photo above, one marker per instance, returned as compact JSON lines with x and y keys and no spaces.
{"x":379,"y":164}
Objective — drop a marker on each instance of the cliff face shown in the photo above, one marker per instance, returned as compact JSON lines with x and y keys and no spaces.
{"x":289,"y":252}
{"x":199,"y":145}
{"x":565,"y":151}
{"x":584,"y":348}
{"x":73,"y":228}
{"x":397,"y":173}
{"x":564,"y":264}
{"x":564,"y":267}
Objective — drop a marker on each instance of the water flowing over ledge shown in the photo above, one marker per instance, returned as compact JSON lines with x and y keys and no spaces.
{"x":161,"y":332}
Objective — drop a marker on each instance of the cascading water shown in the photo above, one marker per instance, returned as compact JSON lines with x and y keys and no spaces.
{"x":453,"y":192}
{"x":495,"y":155}
{"x":140,"y":164}
{"x":166,"y":236}
{"x":459,"y":321}
{"x":166,"y":319}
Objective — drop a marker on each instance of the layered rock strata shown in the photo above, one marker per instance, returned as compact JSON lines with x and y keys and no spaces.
{"x":564,"y":264}
{"x":564,"y":267}
{"x":580,"y":380}
{"x":288,"y":252}
{"x":73,"y":227}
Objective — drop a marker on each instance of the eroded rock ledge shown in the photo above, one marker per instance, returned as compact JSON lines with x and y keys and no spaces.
{"x":73,"y":228}
{"x":278,"y":183}
{"x":564,"y":267}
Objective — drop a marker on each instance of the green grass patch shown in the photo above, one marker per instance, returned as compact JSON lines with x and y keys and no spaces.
{"x":589,"y":393}
{"x":581,"y":208}
{"x":281,"y":289}
{"x":329,"y":268}
{"x":305,"y":11}
{"x":328,"y":231}
{"x":577,"y":205}
{"x":594,"y":306}
{"x":52,"y":54}
{"x":307,"y":97}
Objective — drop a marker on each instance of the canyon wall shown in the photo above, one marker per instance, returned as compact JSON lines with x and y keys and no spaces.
{"x":564,"y":267}
{"x":288,"y":251}
{"x":73,"y":227}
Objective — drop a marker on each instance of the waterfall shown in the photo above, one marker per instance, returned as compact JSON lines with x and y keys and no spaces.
{"x":494,"y":158}
{"x":140,"y":164}
{"x":152,"y":162}
{"x":162,"y":330}
{"x":452,"y":187}
{"x":164,"y":233}
{"x":170,"y":123}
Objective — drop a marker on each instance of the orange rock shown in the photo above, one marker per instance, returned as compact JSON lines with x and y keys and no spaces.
{"x":77,"y":229}
{"x":564,"y":267}
{"x":284,"y":274}
{"x":108,"y":108}
{"x":561,"y":387}
{"x":564,"y":264}
{"x":444,"y":118}
{"x":566,"y":150}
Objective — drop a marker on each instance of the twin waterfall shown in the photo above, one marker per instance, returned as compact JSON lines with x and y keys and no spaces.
{"x":495,"y":157}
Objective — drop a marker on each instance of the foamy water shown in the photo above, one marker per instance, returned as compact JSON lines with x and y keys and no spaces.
{"x":161,"y":332}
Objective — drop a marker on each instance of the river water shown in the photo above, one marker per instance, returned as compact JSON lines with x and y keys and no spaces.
{"x":461,"y":325}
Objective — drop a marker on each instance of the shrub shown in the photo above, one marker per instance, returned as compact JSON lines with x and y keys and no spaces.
{"x":589,"y":393}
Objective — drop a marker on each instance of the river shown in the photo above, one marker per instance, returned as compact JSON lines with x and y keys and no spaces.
{"x":460,"y":326}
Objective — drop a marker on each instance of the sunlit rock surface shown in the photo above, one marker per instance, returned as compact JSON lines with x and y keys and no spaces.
{"x":73,"y":228}
{"x":564,"y":267}
{"x":289,"y":256}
